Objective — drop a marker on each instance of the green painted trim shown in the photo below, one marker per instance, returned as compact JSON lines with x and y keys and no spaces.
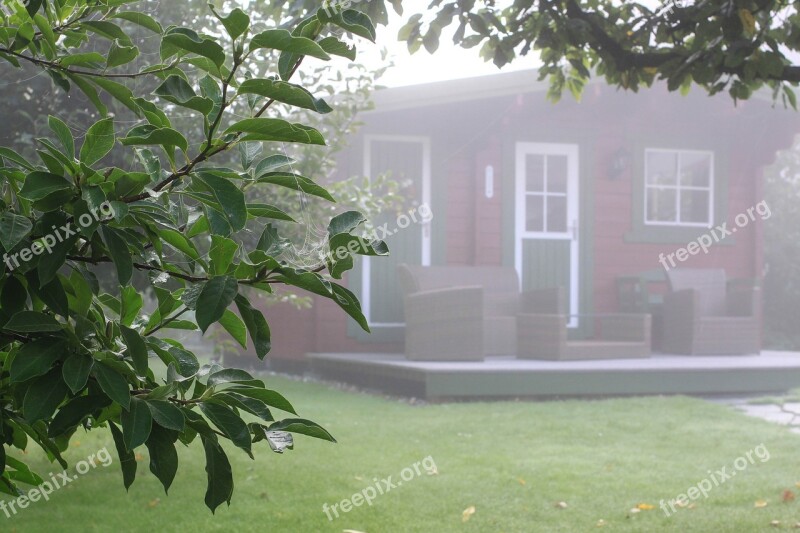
{"x":645,"y":233}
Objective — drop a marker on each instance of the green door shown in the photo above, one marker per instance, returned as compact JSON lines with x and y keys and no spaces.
{"x":407,"y":161}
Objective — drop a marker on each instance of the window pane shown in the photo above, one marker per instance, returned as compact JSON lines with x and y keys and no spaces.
{"x":695,"y":169}
{"x":557,"y":214}
{"x":695,"y":206}
{"x":534,"y":213}
{"x":534,"y":168}
{"x":556,"y":173}
{"x":662,"y":168}
{"x":661,"y":205}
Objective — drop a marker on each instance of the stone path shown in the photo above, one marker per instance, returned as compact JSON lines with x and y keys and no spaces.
{"x":786,"y":415}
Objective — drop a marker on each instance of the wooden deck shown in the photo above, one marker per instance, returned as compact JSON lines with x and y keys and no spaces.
{"x":508,"y":377}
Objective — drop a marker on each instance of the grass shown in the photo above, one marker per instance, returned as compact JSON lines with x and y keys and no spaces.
{"x":512,"y":461}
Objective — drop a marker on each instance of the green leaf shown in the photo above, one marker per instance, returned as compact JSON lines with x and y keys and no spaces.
{"x":269,"y":397}
{"x":220,"y":477}
{"x":335,"y":47}
{"x":285,"y":92}
{"x":215,"y":297}
{"x":44,"y":396}
{"x":166,"y":414}
{"x":148,"y":135}
{"x":136,"y":424}
{"x":35,"y":358}
{"x":345,"y":222}
{"x":121,"y":54}
{"x":286,"y":42}
{"x":13,"y":228}
{"x":234,"y":325}
{"x":229,"y":423}
{"x":303,"y":427}
{"x":297,"y":183}
{"x":137,"y":349}
{"x":64,"y":134}
{"x":227,"y":375}
{"x":39,"y":185}
{"x":353,"y":21}
{"x":228,"y":196}
{"x":127,"y":459}
{"x":113,"y":384}
{"x":275,"y":129}
{"x":69,"y":416}
{"x":163,"y":456}
{"x":141,"y":19}
{"x":120,"y":255}
{"x":76,"y":371}
{"x":178,"y":241}
{"x":268,"y":211}
{"x":271,"y":163}
{"x":256,"y":325}
{"x":189,"y":41}
{"x":98,"y":143}
{"x":236,"y":23}
{"x":176,"y":90}
{"x":32,"y":322}
{"x":221,"y":254}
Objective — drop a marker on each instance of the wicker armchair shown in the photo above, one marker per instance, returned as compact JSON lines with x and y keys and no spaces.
{"x":460,"y":313}
{"x":542,"y":333}
{"x":704,"y":314}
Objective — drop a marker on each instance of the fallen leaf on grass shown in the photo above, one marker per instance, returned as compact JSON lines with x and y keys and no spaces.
{"x":139,"y":457}
{"x":521,"y":481}
{"x":433,"y":471}
{"x":561,"y":505}
{"x":154,"y":503}
{"x":645,"y":507}
{"x":601,"y":523}
{"x":351,"y":531}
{"x":760,"y":504}
{"x":788,"y":496}
{"x":468,"y":512}
{"x":634,"y":510}
{"x":775,"y":523}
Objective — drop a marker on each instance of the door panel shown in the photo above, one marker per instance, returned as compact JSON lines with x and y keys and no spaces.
{"x":405,"y":160}
{"x":547,"y":219}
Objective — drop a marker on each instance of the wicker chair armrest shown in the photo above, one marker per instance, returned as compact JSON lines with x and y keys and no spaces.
{"x":453,"y":303}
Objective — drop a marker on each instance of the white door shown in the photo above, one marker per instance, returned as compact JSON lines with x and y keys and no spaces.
{"x":547,"y":219}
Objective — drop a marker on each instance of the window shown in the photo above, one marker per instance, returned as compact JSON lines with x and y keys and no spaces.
{"x":679,"y":187}
{"x":546,"y":193}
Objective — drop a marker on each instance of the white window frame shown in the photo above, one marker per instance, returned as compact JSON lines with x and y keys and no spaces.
{"x":678,"y":188}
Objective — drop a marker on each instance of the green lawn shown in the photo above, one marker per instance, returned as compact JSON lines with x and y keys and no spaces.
{"x":512,"y":461}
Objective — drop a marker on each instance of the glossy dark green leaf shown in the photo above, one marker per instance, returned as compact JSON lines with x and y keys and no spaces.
{"x":120,"y":255}
{"x":13,"y":228}
{"x":36,"y":358}
{"x":215,"y":297}
{"x":220,"y":477}
{"x":137,"y":349}
{"x":303,"y":427}
{"x":285,"y":92}
{"x":285,"y":41}
{"x":76,"y":371}
{"x":166,"y":414}
{"x":297,"y":183}
{"x":98,"y":143}
{"x":75,"y":411}
{"x":127,"y":459}
{"x":113,"y":384}
{"x":136,"y":424}
{"x":256,"y":325}
{"x":44,"y":396}
{"x":163,"y":456}
{"x":275,"y":129}
{"x":269,"y":397}
{"x":231,"y":424}
{"x":32,"y":322}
